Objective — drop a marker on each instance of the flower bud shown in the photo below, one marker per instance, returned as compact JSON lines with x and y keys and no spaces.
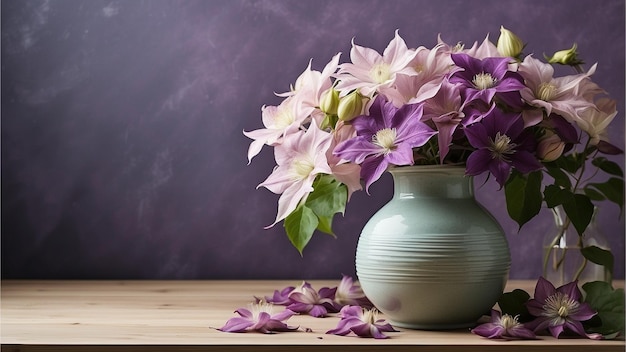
{"x":350,"y":106}
{"x":565,"y":57}
{"x":329,"y":101}
{"x":509,"y":44}
{"x":550,"y":147}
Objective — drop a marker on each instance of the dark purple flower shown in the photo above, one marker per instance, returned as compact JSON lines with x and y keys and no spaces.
{"x":260,"y":319}
{"x":482,"y":79}
{"x":503,"y":327}
{"x":559,"y":309}
{"x":385,"y":137}
{"x":501,"y":143}
{"x":306,"y":300}
{"x":363,"y":322}
{"x":350,"y":294}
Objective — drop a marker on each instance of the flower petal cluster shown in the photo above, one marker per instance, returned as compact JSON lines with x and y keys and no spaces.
{"x":503,"y":327}
{"x":559,"y":309}
{"x":306,"y":300}
{"x":384,"y":138}
{"x":259,"y":318}
{"x":362,"y":322}
{"x":487,"y":107}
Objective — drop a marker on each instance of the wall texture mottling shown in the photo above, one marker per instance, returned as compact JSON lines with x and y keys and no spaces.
{"x":122,"y":147}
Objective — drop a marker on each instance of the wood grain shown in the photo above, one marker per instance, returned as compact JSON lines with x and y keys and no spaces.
{"x":185,"y":315}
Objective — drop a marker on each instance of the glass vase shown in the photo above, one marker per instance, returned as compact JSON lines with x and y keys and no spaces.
{"x":563,"y":261}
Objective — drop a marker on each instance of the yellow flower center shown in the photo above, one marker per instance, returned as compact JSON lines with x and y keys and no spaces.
{"x":559,"y":306}
{"x":546,"y":91}
{"x":370,"y":315}
{"x":301,"y":168}
{"x":508,"y":321}
{"x":284,"y":117}
{"x":483,"y":81}
{"x":501,"y":146}
{"x":380,"y":73}
{"x":386,"y":139}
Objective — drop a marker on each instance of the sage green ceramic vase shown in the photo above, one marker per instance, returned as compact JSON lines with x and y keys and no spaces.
{"x":432,"y":258}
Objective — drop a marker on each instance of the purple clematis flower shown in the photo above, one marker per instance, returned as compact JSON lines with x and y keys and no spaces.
{"x":363,"y":322}
{"x":501,"y":143}
{"x":503,"y":327}
{"x":482,"y":79}
{"x":306,"y":300}
{"x":351,"y":294}
{"x":558,"y":309}
{"x":386,"y":137}
{"x":259,"y":318}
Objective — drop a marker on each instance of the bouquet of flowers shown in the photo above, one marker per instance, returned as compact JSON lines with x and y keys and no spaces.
{"x":488,"y":107}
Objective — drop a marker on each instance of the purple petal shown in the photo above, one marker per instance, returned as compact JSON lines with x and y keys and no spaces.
{"x":571,"y":290}
{"x":244,"y":313}
{"x":535,"y":308}
{"x":385,"y":327}
{"x":372,"y":169}
{"x":555,"y":330}
{"x":522,"y":333}
{"x":318,"y":310}
{"x":276,"y":325}
{"x":608,"y":148}
{"x":543,"y":289}
{"x":343,"y":327}
{"x":236,"y":324}
{"x":478,"y":162}
{"x":525,"y":162}
{"x":576,"y":326}
{"x":284,"y":315}
{"x":326,"y":292}
{"x":300,"y":307}
{"x":489,"y":330}
{"x":585,"y":312}
{"x":351,"y":311}
{"x":264,"y":317}
{"x":367,"y":330}
{"x":501,"y":170}
{"x":477,"y":135}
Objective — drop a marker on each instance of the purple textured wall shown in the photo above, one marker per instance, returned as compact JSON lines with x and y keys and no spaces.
{"x":122,"y":147}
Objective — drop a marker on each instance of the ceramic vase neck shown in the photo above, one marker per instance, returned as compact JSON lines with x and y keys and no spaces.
{"x":436,"y":181}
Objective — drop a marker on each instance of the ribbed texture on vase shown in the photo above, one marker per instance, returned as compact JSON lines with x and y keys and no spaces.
{"x":433,"y":258}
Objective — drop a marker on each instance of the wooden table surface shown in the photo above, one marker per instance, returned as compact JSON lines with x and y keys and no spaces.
{"x":183,"y":316}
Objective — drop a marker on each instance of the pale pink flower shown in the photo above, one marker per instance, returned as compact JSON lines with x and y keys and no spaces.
{"x":279,"y":121}
{"x":559,"y":95}
{"x":484,"y":50}
{"x":431,"y":67}
{"x":445,"y":110}
{"x":300,"y":158}
{"x":311,"y":84}
{"x":369,"y":71}
{"x":595,"y":120}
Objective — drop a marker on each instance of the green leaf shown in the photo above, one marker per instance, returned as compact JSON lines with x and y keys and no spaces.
{"x":555,"y":195}
{"x":579,"y":210}
{"x":570,"y":163}
{"x":523,"y":196}
{"x":328,"y":197}
{"x":560,"y":177}
{"x":300,"y":225}
{"x":593,"y":194}
{"x":613,"y":190}
{"x":609,"y":303}
{"x":599,"y":256}
{"x":514,"y":303}
{"x":608,"y":166}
